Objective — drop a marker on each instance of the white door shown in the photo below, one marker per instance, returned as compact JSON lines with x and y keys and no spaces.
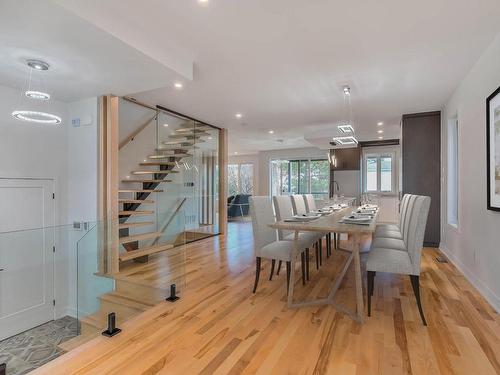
{"x":26,"y":254}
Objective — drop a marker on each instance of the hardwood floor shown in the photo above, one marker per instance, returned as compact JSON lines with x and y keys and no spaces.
{"x":219,"y":327}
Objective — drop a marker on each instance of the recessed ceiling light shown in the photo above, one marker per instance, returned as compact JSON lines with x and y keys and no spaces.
{"x":380,"y":131}
{"x":165,"y":125}
{"x":239,"y":115}
{"x":203,"y":1}
{"x":380,"y":123}
{"x":178,"y":85}
{"x":380,"y":137}
{"x":271,"y":131}
{"x":209,"y":138}
{"x":347,"y":90}
{"x":236,"y":152}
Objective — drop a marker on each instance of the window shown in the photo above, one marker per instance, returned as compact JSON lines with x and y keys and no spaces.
{"x":300,"y":177}
{"x":240,"y":178}
{"x":452,"y":180}
{"x":379,"y":172}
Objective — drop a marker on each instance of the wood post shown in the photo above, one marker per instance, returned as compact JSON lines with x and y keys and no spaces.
{"x":223,"y":151}
{"x":108,"y":185}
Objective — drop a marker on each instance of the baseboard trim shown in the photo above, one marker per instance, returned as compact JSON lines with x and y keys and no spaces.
{"x":483,"y":289}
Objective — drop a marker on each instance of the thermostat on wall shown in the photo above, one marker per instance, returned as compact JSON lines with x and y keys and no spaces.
{"x":84,"y":120}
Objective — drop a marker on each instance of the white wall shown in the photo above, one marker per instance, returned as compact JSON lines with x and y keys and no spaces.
{"x":473,"y":246}
{"x":65,"y":154}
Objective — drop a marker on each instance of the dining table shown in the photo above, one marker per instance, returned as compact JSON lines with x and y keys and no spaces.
{"x":331,"y":223}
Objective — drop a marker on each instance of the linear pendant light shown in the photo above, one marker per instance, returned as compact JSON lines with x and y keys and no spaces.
{"x":32,"y":115}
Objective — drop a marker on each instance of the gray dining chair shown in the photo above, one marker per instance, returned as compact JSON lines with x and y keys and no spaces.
{"x":300,"y":208}
{"x":266,"y":243}
{"x":284,"y":210}
{"x":406,"y":262}
{"x":311,"y":206}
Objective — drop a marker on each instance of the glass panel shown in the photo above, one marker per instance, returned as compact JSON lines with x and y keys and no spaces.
{"x":293,"y":168}
{"x":371,"y":173}
{"x":386,"y":173}
{"x":246,"y":179}
{"x":303,"y":177}
{"x":232,"y":179}
{"x":320,"y":178}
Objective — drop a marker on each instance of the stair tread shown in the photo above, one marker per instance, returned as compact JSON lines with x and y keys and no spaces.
{"x":130,"y":213}
{"x":187,"y":135}
{"x":149,"y":201}
{"x":173,"y":148}
{"x":134,"y":225}
{"x":127,"y":300}
{"x":147,"y":181}
{"x":155,"y":172}
{"x":164,"y":156}
{"x":139,"y":237}
{"x":159,"y":163}
{"x":144,"y":251}
{"x":140,"y":191}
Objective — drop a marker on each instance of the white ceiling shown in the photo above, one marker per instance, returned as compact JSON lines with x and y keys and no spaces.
{"x":282,"y":64}
{"x":85,"y":60}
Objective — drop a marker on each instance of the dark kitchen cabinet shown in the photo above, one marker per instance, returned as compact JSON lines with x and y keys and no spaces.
{"x":421,"y":158}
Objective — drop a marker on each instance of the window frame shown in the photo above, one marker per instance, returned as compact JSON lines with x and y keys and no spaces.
{"x":379,"y":154}
{"x":298,"y":162}
{"x":452,"y":172}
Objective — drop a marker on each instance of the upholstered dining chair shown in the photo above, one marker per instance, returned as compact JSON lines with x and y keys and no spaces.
{"x":311,"y":206}
{"x":266,"y":244}
{"x":284,"y":210}
{"x":393,"y":235}
{"x":394,"y":230}
{"x":299,"y":208}
{"x":406,"y":262}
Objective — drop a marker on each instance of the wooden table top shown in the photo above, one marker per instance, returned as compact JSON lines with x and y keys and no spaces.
{"x":328,"y":223}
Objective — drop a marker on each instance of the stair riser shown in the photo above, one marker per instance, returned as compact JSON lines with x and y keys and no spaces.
{"x":147,"y":292}
{"x":125,"y":312}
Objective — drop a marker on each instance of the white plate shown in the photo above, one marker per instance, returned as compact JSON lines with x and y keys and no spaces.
{"x":306,"y":218}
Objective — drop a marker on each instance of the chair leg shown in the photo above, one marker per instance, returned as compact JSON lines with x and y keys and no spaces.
{"x":273,"y":263}
{"x":370,"y":278}
{"x":288,"y":273}
{"x":373,"y":287}
{"x":257,"y":272}
{"x":307,"y":264}
{"x":415,"y":283}
{"x":335,"y":241}
{"x":317,"y":255}
{"x":303,"y":267}
{"x":320,"y":247}
{"x":279,"y":268}
{"x":328,"y":245}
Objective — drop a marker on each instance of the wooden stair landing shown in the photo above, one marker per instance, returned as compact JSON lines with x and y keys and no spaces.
{"x":139,"y":237}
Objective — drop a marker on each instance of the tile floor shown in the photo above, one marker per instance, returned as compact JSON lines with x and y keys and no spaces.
{"x":35,"y":347}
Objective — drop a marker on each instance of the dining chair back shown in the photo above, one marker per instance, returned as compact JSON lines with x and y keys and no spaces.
{"x":262,"y":214}
{"x":310,"y":202}
{"x":299,"y":204}
{"x":284,"y":210}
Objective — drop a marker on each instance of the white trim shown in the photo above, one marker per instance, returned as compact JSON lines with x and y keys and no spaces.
{"x":483,"y":289}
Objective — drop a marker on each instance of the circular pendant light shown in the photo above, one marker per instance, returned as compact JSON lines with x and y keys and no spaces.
{"x":38,"y":117}
{"x":37,"y":95}
{"x":33,"y":115}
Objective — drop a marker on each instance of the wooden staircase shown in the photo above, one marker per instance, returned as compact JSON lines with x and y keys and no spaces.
{"x":129,"y":298}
